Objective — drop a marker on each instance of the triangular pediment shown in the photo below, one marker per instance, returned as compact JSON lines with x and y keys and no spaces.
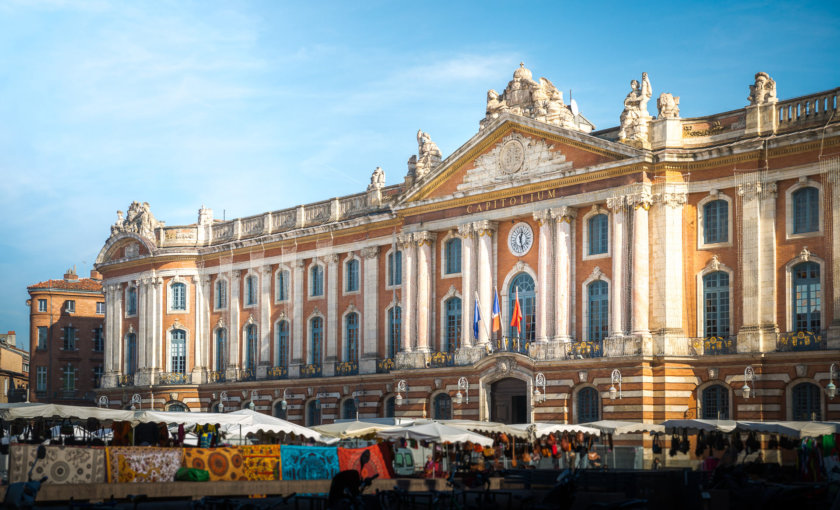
{"x":514,"y":150}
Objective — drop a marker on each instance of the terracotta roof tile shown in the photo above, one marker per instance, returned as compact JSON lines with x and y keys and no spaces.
{"x":84,"y":284}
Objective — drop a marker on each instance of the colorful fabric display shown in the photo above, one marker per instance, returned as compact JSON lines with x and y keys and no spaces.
{"x":350,"y":458}
{"x":223,"y":464}
{"x":309,"y":462}
{"x":63,"y":464}
{"x":261,"y":462}
{"x":143,"y":464}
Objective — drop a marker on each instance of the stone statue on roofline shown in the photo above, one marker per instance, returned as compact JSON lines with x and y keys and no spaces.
{"x":374,"y":189}
{"x":763,"y":91}
{"x":139,"y":219}
{"x":635,"y":117}
{"x":428,"y":154}
{"x":668,"y":106}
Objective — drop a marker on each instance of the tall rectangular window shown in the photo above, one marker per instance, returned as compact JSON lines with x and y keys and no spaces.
{"x":69,"y":378}
{"x":100,"y":307}
{"x":69,"y":338}
{"x":317,"y":281}
{"x":178,"y":351}
{"x":352,"y":273}
{"x":395,"y":268}
{"x":98,"y":339}
{"x":251,"y":290}
{"x":97,"y":376}
{"x":351,"y":336}
{"x":179,"y":296}
{"x":131,"y":298}
{"x":221,"y":293}
{"x":716,"y":304}
{"x":716,"y":222}
{"x":41,"y":379}
{"x":42,"y":338}
{"x":394,"y":331}
{"x":806,"y":210}
{"x":42,"y":305}
{"x":282,"y":285}
{"x":71,"y":306}
{"x":598,"y":234}
{"x":598,"y":310}
{"x":283,"y":344}
{"x":452,"y":254}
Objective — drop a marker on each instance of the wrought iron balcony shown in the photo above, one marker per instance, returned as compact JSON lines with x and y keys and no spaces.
{"x":512,"y":344}
{"x":173,"y":378}
{"x":384,"y":366}
{"x":308,"y":371}
{"x":216,"y":376}
{"x":278,"y":373}
{"x":125,"y":380}
{"x":801,"y":341}
{"x":441,"y":359}
{"x":248,"y":374}
{"x":715,"y":345}
{"x":346,"y":368}
{"x":590,"y":349}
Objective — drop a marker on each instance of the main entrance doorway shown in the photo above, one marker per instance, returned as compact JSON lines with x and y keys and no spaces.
{"x":508,"y":401}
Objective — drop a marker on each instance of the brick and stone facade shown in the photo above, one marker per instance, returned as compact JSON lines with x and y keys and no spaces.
{"x":605,"y":238}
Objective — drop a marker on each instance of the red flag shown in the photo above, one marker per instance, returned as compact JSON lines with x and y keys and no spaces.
{"x":516,"y":318}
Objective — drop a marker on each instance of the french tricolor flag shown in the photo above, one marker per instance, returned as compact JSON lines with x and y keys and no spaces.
{"x":495,"y":316}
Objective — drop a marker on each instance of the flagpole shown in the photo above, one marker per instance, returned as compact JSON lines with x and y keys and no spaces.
{"x":478,"y":303}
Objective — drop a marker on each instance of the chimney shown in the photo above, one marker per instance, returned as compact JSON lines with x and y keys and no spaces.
{"x":95,"y":275}
{"x":71,"y":275}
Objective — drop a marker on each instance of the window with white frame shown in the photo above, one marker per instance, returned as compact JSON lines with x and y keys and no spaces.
{"x":588,"y":405}
{"x":220,"y":293}
{"x":395,"y":268}
{"x":316,"y":281}
{"x":716,"y":222}
{"x":42,"y":338}
{"x":599,"y":231}
{"x":251,"y":290}
{"x":98,"y":339}
{"x":221,"y":349}
{"x":100,"y":307}
{"x":316,"y":338}
{"x":282,"y":285}
{"x":178,"y":296}
{"x":351,"y":275}
{"x":251,"y":347}
{"x":40,"y":379}
{"x":69,"y":338}
{"x":716,"y":304}
{"x":452,"y":324}
{"x":178,"y":351}
{"x":71,"y":306}
{"x":131,"y":301}
{"x":130,"y":353}
{"x":69,"y":382}
{"x":394,"y":330}
{"x":42,"y":305}
{"x":806,"y":210}
{"x":351,"y":337}
{"x":598,"y":304}
{"x":452,"y":256}
{"x":807,"y":297}
{"x":283,"y":344}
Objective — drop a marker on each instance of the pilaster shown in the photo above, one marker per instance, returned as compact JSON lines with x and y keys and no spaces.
{"x":486,"y":231}
{"x":265,"y":320}
{"x":619,"y":238}
{"x":408,"y":304}
{"x":296,"y":354}
{"x":834,"y":328}
{"x":468,"y":290}
{"x":370,"y":277}
{"x":640,"y":301}
{"x":425,"y":242}
{"x":331,"y":336}
{"x":545,"y":280}
{"x":668,"y":281}
{"x":563,"y":255}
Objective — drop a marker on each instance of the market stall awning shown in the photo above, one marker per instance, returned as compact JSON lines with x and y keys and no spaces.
{"x":797,"y":429}
{"x":436,"y":432}
{"x":484,"y":427}
{"x":694,"y":426}
{"x":348,"y":429}
{"x":542,"y":428}
{"x":618,"y":427}
{"x":59,"y":411}
{"x":259,"y":422}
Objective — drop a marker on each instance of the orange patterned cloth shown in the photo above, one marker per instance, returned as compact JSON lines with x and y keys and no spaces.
{"x":262,"y":462}
{"x":349,"y":458}
{"x":221,"y":463}
{"x":142,"y":464}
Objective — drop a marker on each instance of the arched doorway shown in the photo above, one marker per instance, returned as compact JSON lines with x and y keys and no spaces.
{"x":509,"y":401}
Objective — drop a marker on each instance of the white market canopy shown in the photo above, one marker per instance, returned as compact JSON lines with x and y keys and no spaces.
{"x":437,"y":433}
{"x":694,"y":426}
{"x":349,"y":429}
{"x":485,"y":427}
{"x":544,"y":428}
{"x":618,"y":427}
{"x":797,"y":429}
{"x":29,"y":411}
{"x":262,"y":423}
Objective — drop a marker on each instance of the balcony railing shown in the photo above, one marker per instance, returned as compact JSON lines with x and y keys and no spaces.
{"x":346,"y":368}
{"x":590,"y":349}
{"x":801,"y":341}
{"x":248,"y":374}
{"x":308,"y":371}
{"x":384,"y":366}
{"x":715,"y":345}
{"x":216,"y":376}
{"x":441,"y":359}
{"x":173,"y":378}
{"x":277,"y":373}
{"x":512,"y":344}
{"x":125,"y":380}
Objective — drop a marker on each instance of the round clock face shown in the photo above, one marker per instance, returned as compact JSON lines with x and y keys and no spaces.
{"x":521,"y":239}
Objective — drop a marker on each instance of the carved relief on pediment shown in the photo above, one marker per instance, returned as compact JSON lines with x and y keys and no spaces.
{"x":516,"y":157}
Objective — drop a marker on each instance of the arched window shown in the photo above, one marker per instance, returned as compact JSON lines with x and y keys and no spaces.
{"x":390,"y":407}
{"x":316,"y":281}
{"x":179,"y":296}
{"x":394,"y":330}
{"x":452,"y":253}
{"x":313,"y":413}
{"x":348,"y":409}
{"x":443,"y":407}
{"x":806,"y":210}
{"x":221,"y":349}
{"x":598,"y":234}
{"x":278,"y":411}
{"x":395,"y":268}
{"x":131,"y":354}
{"x":251,"y":286}
{"x":251,"y":347}
{"x":527,"y":303}
{"x":351,"y":337}
{"x":131,"y":305}
{"x":177,"y":407}
{"x":351,"y":273}
{"x":716,"y":304}
{"x":178,"y":351}
{"x":806,"y":297}
{"x":715,"y":402}
{"x":716,"y":222}
{"x":282,"y":285}
{"x":599,"y":306}
{"x":806,"y":402}
{"x":283,"y":344}
{"x":316,"y":334}
{"x":588,"y":405}
{"x":221,"y":293}
{"x":453,"y":324}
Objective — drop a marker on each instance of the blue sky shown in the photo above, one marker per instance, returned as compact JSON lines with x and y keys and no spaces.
{"x":248,"y":107}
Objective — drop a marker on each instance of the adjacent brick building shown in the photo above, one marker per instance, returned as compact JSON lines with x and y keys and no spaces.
{"x":14,"y":369}
{"x":66,"y":339}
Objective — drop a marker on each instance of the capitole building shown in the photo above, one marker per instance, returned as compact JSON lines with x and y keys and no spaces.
{"x":665,"y":268}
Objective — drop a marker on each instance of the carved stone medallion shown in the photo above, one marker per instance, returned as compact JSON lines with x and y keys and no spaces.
{"x":511,"y":157}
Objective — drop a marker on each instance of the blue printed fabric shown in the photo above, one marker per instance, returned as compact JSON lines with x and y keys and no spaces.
{"x":309,"y":462}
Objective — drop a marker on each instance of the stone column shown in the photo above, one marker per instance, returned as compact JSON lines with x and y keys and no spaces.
{"x":198,"y":331}
{"x":265,"y":320}
{"x":331,"y":337}
{"x":619,"y":237}
{"x":370,"y":277}
{"x":834,"y":328}
{"x":668,"y":270}
{"x":545,"y":280}
{"x":408,"y":304}
{"x":485,"y":231}
{"x":563,"y":256}
{"x":767,"y":271}
{"x":112,"y":315}
{"x":154,"y":358}
{"x":296,"y":354}
{"x":467,"y":285}
{"x":142,"y":330}
{"x":235,"y":330}
{"x":425,"y":242}
{"x":640,"y":303}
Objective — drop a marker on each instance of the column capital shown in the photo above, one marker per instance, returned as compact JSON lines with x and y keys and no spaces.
{"x":466,"y":230}
{"x":485,"y":227}
{"x":642,"y":198}
{"x":543,"y":216}
{"x":425,"y":238}
{"x":266,"y":269}
{"x":405,"y":239}
{"x":616,"y":204}
{"x":298,"y":264}
{"x":369,"y":252}
{"x":564,"y":213}
{"x":331,"y":258}
{"x":205,"y":279}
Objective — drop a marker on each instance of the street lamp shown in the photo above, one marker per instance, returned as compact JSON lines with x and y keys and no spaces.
{"x":103,"y":401}
{"x":615,"y":378}
{"x":254,"y":396}
{"x":831,"y":389}
{"x":283,"y":403}
{"x":136,"y":399}
{"x":463,"y":384}
{"x":539,"y":382}
{"x":402,"y":386}
{"x":749,"y":376}
{"x":222,"y":400}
